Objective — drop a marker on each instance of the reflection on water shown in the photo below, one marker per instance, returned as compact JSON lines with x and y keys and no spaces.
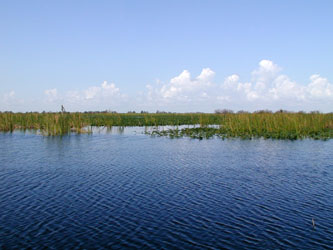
{"x":118,"y":188}
{"x":141,"y":130}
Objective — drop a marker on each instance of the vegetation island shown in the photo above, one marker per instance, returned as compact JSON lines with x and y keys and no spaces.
{"x":223,"y":123}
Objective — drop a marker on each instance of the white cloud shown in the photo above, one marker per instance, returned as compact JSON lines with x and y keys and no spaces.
{"x":92,"y":92}
{"x":319,"y":87}
{"x":223,"y":98}
{"x":9,"y":96}
{"x":73,"y":96}
{"x":266,"y":88}
{"x":206,"y":76}
{"x":264,"y":76}
{"x":103,"y":96}
{"x":270,"y":88}
{"x":105,"y":90}
{"x":283,"y":87}
{"x":231,"y":82}
{"x":51,"y":94}
{"x":183,"y":87}
{"x":10,"y":102}
{"x":266,"y":71}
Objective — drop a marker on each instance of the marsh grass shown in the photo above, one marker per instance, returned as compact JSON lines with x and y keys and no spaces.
{"x":241,"y":125}
{"x":290,"y":126}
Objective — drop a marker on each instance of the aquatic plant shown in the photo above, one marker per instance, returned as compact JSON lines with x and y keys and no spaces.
{"x":279,"y":125}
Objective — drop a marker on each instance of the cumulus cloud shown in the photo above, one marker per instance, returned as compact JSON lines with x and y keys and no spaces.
{"x":183,"y":87}
{"x":283,"y":87}
{"x":265,"y":73}
{"x":206,"y":76}
{"x":231,"y":82}
{"x":104,"y":90}
{"x":265,"y":88}
{"x":268,"y":87}
{"x":319,"y":87}
{"x":51,"y":94}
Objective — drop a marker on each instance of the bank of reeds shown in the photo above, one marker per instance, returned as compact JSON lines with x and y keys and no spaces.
{"x":290,"y":126}
{"x":242,"y":125}
{"x":46,"y":123}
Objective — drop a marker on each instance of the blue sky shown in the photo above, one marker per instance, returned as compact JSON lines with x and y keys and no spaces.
{"x":253,"y":55}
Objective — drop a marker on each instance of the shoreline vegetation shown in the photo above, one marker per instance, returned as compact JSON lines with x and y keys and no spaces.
{"x":222,"y":124}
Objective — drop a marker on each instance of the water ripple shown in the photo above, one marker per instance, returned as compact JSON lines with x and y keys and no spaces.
{"x":131,"y":191}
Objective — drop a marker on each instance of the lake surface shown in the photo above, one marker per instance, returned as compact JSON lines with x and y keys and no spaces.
{"x":128,"y":190}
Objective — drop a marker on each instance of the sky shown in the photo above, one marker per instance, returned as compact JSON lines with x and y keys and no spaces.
{"x":176,"y":56}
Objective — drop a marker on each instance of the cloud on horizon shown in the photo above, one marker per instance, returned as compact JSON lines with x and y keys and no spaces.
{"x":268,"y":88}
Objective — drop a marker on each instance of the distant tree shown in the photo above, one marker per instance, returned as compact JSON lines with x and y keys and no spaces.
{"x":315,"y":112}
{"x":263,"y":111}
{"x":242,"y":112}
{"x":224,"y":111}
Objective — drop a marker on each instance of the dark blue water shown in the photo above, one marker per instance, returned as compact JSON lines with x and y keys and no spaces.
{"x":134,"y":191}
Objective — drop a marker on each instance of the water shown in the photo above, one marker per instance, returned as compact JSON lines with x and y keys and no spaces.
{"x":128,"y":190}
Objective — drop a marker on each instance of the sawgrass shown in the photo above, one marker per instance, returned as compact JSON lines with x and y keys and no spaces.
{"x":241,"y":125}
